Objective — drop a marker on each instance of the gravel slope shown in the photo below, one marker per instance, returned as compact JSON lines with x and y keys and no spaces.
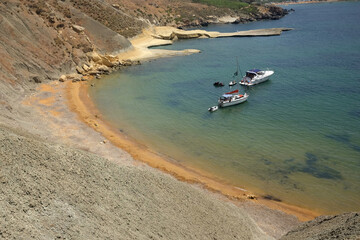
{"x":51,"y":191}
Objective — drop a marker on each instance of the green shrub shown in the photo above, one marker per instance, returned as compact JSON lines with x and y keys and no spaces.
{"x":232,"y":4}
{"x":250,"y":9}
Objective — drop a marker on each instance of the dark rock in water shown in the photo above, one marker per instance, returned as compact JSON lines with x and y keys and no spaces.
{"x":355,"y":113}
{"x":237,"y":21}
{"x":314,"y":165}
{"x":345,"y":139}
{"x":204,"y":24}
{"x":342,"y":226}
{"x":275,"y":17}
{"x":266,"y":161}
{"x":269,"y":197}
{"x":317,"y":170}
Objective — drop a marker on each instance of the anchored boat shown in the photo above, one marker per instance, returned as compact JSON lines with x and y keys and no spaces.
{"x":213,"y":108}
{"x":256,"y":76}
{"x":218,"y":84}
{"x":232,"y":83}
{"x":232,"y":98}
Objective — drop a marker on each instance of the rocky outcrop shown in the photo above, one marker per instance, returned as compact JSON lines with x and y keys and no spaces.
{"x":42,"y":40}
{"x":262,"y":12}
{"x":343,"y":226}
{"x":98,"y":65}
{"x":168,"y":33}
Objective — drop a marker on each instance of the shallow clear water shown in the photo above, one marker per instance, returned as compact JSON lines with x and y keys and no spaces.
{"x":298,"y":136}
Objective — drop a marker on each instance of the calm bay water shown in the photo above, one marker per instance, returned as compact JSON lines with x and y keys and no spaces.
{"x":298,"y":136}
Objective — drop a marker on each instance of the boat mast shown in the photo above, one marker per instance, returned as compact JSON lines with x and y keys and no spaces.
{"x":238,"y":67}
{"x":237,"y":70}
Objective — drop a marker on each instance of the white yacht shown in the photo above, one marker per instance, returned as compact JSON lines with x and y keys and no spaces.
{"x":256,"y":76}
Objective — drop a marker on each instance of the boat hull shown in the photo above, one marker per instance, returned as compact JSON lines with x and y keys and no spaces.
{"x":213,"y":109}
{"x":233,"y":102}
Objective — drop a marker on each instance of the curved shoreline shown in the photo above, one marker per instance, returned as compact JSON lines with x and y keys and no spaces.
{"x":80,"y":103}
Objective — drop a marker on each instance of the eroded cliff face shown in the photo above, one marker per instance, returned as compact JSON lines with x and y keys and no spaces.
{"x":42,"y":41}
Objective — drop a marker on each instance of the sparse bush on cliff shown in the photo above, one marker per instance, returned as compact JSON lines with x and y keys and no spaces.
{"x":232,"y":4}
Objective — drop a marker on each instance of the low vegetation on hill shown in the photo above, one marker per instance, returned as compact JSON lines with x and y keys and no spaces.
{"x":232,"y":4}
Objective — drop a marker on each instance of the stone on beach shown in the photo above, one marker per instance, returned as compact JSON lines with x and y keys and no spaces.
{"x":78,"y":28}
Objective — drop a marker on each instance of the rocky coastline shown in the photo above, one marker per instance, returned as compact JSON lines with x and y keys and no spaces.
{"x":266,"y":13}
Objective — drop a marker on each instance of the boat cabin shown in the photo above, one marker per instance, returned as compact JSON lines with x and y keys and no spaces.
{"x":226,"y":97}
{"x":230,"y":97}
{"x":254,"y":72}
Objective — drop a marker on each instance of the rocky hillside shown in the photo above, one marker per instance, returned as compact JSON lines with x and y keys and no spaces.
{"x":50,"y":191}
{"x":343,"y":226}
{"x":45,"y":38}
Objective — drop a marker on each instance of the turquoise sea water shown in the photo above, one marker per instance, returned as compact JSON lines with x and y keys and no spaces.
{"x":298,"y":136}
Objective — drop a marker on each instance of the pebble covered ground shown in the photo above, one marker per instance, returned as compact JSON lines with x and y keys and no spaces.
{"x":56,"y":192}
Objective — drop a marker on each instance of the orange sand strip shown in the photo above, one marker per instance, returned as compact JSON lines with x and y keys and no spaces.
{"x":47,"y":101}
{"x":55,"y":113}
{"x":47,"y":88}
{"x":79,"y":102}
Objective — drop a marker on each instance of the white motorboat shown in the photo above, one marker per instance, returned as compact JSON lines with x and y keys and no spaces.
{"x":256,"y":76}
{"x":232,"y":98}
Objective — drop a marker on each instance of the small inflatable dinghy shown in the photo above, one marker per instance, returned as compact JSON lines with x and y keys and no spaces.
{"x":213,"y":108}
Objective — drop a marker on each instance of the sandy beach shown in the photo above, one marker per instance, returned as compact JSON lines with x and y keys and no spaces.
{"x":80,"y":102}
